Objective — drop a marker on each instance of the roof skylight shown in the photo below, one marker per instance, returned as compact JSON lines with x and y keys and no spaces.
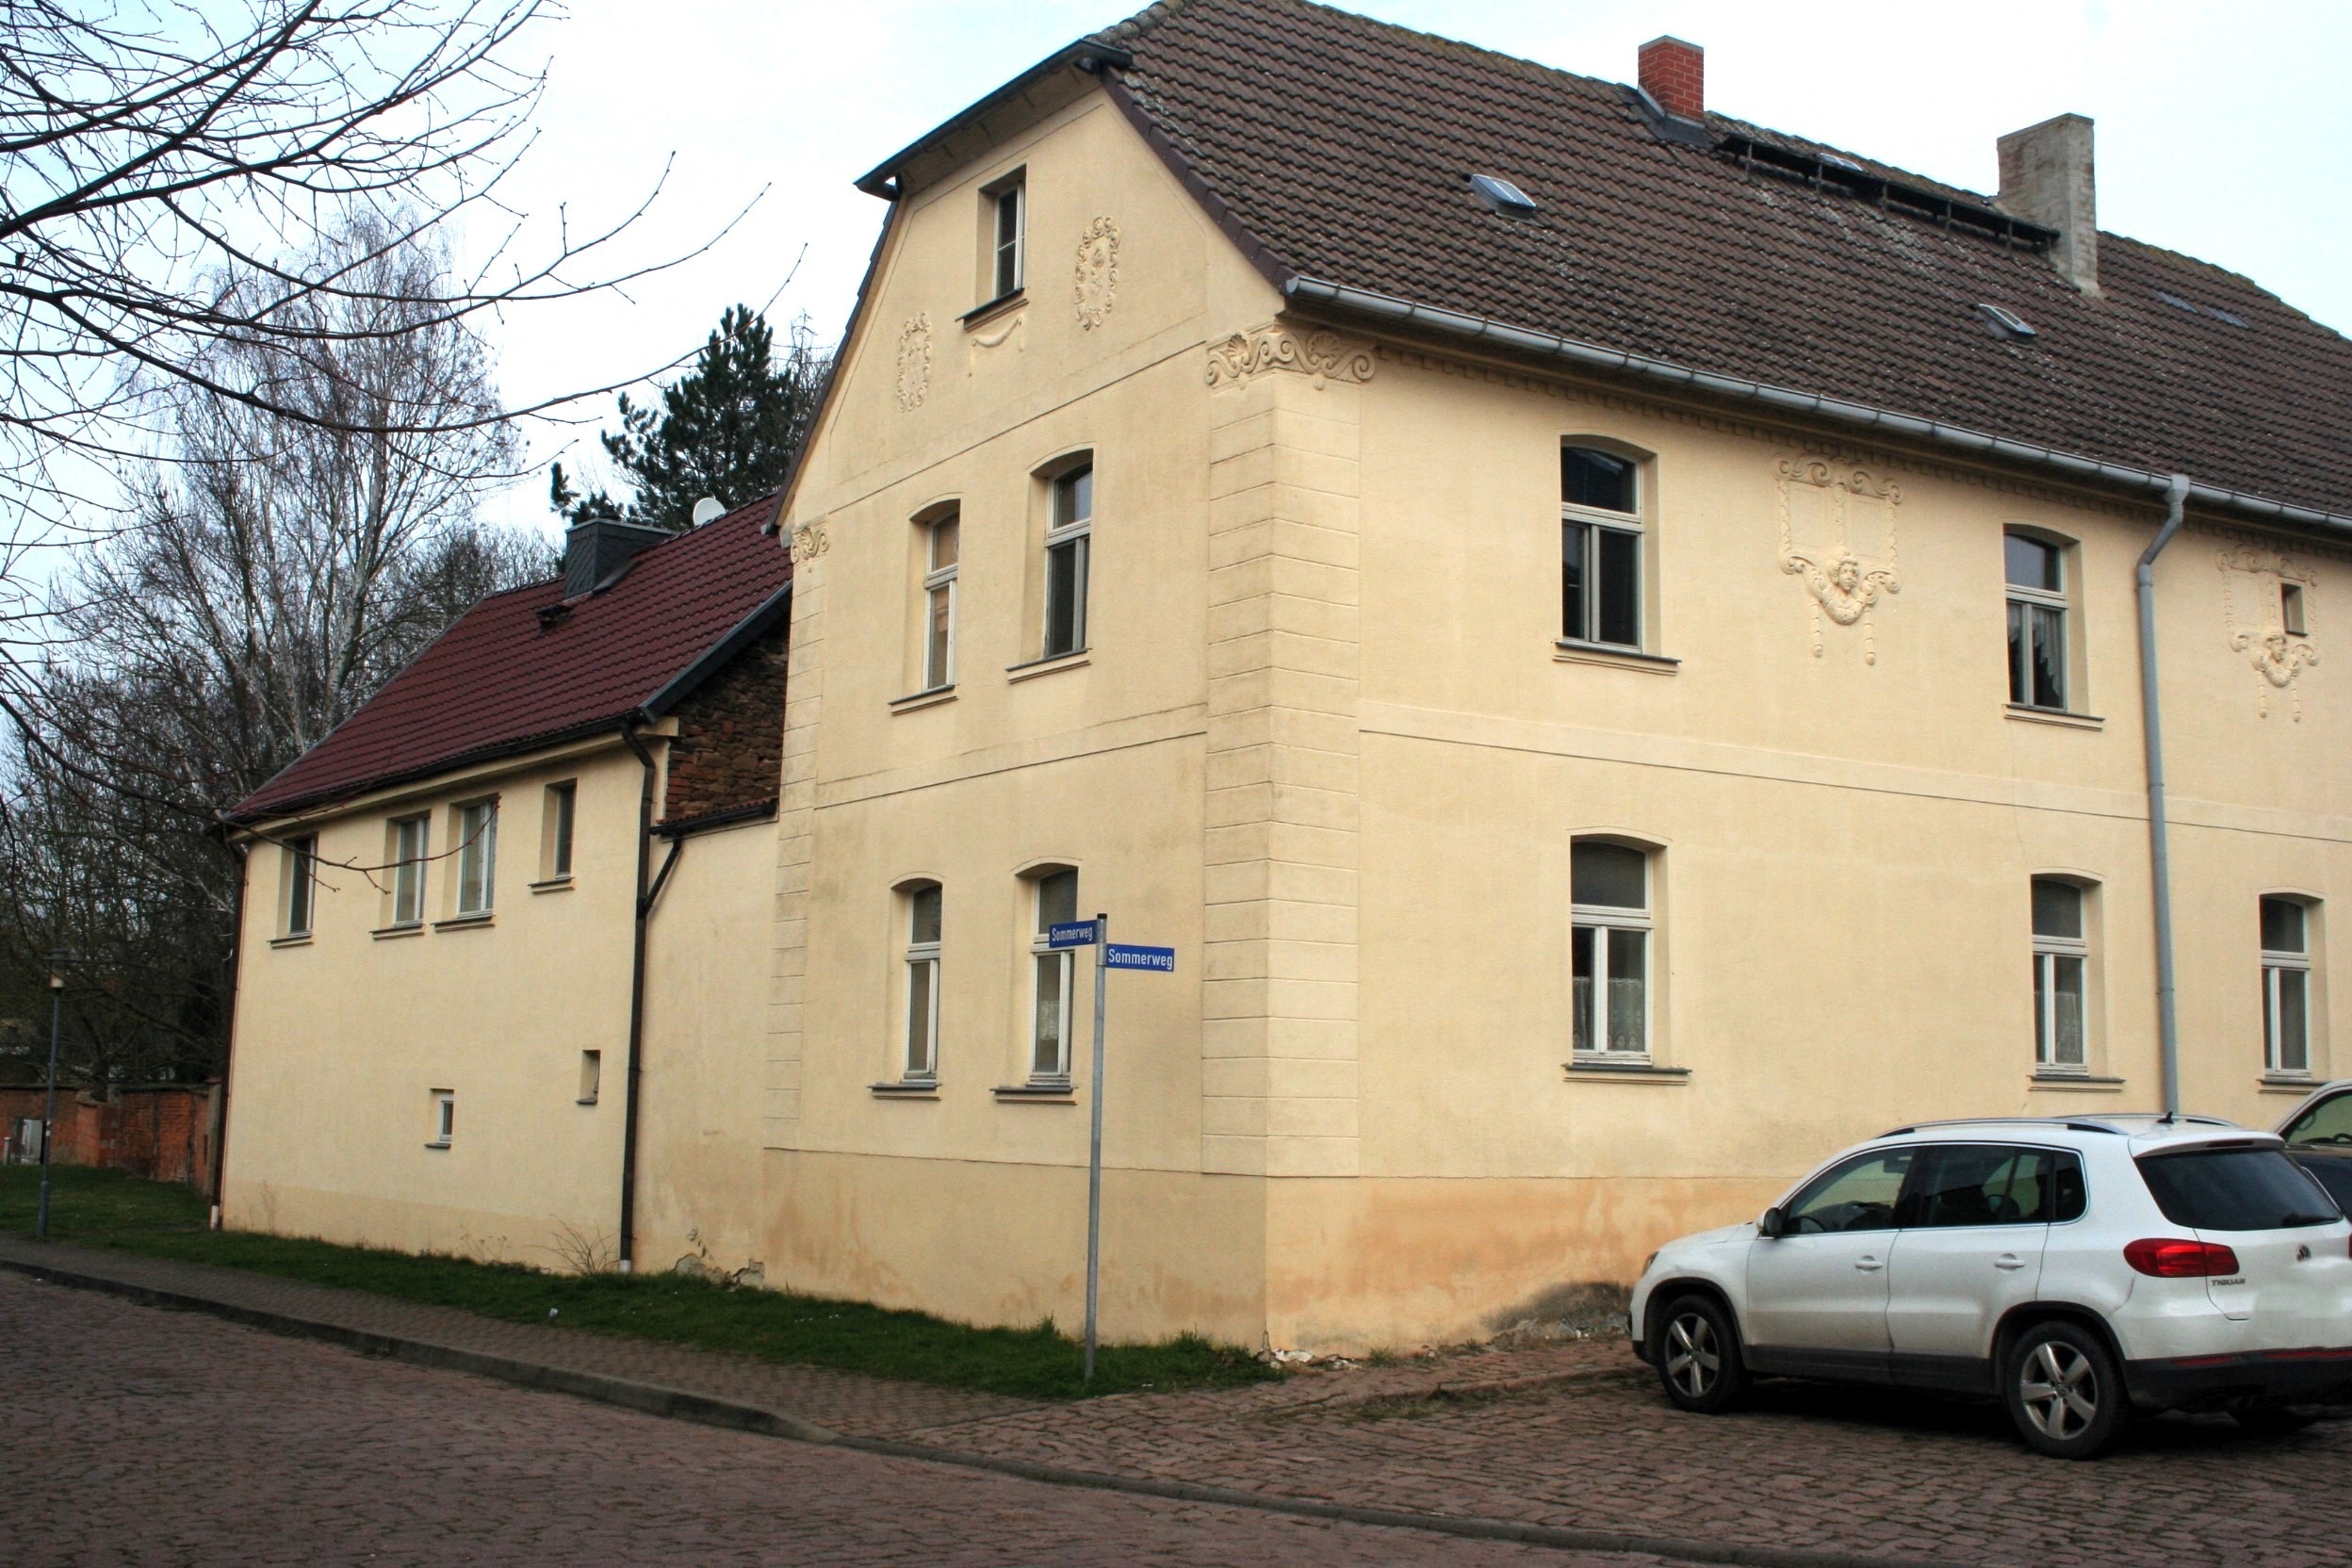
{"x":1502,"y":196}
{"x":2006,"y":322}
{"x":1837,"y":161}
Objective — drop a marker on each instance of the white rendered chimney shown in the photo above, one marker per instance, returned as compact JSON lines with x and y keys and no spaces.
{"x":2046,"y":178}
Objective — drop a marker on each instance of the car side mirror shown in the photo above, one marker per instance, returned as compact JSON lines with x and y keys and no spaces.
{"x":1771,"y":1225}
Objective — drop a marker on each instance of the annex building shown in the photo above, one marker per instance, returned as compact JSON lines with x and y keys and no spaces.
{"x":1608,"y":637}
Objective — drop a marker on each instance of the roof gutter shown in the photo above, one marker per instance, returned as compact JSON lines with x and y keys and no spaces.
{"x":1519,"y":340}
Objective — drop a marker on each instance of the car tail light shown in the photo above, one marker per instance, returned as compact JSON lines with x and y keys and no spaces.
{"x":2173,"y":1258}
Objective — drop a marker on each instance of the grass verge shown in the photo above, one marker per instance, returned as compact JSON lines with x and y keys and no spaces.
{"x":99,"y":1208}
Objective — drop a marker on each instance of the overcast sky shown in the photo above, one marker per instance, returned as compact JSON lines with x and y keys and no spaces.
{"x":2221,"y":130}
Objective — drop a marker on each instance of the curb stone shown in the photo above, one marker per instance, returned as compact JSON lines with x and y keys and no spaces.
{"x":682,"y":1405}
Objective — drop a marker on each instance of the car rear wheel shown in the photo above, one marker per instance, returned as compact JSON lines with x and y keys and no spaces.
{"x":2063,"y":1390}
{"x":1697,"y":1355}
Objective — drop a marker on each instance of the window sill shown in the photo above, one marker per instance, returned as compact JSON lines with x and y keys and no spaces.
{"x":439,"y":1143}
{"x":907,"y":1088}
{"x":2076,"y":1083}
{"x":406,"y":928}
{"x":1627,"y":1071}
{"x":1569,"y":651}
{"x":981,"y":315}
{"x":552,"y":885}
{"x":2025,"y":714}
{"x":586,"y":1100}
{"x":1046,"y":666}
{"x":1045,"y":1091}
{"x":922,"y":699}
{"x":465,"y":923}
{"x":2289,"y":1082}
{"x":300,"y":938}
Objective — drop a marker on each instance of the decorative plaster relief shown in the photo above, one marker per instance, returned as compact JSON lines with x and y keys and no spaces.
{"x":2253,"y":583}
{"x":1325,"y":356}
{"x":914,"y":361}
{"x":810,"y":541}
{"x":1012,"y":332}
{"x":1097,"y":284}
{"x":1820,"y":504}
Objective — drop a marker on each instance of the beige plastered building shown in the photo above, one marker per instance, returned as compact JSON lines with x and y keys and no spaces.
{"x":1586,"y":780}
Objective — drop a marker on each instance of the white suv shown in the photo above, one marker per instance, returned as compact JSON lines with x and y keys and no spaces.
{"x":2074,"y":1269}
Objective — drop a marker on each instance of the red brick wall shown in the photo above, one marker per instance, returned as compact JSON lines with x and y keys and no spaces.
{"x":1674,"y":73}
{"x":730,"y":750}
{"x":164,"y":1133}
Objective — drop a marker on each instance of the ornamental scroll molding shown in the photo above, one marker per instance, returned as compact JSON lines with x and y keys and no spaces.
{"x":1324,"y":356}
{"x":1824,"y":506}
{"x":914,"y":362}
{"x":1094,"y":288}
{"x":810,"y":541}
{"x":2253,"y":605}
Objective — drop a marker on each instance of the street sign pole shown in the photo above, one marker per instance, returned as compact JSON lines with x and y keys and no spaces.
{"x":1094,"y":1138}
{"x":1094,"y":1142}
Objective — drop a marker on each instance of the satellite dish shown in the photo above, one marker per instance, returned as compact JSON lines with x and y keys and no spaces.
{"x":708,"y":508}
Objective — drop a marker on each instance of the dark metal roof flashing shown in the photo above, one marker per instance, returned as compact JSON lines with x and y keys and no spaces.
{"x":1826,"y":170}
{"x":887,"y":180}
{"x":1668,"y":127}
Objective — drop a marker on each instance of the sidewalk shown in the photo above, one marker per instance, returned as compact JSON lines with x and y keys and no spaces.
{"x":1566,"y":1445}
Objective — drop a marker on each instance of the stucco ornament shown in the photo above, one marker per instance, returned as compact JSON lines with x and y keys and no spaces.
{"x":1096,"y":289}
{"x":2253,"y":603}
{"x":1821,"y":503}
{"x":810,"y":541}
{"x":1322,"y":355}
{"x":914,"y":361}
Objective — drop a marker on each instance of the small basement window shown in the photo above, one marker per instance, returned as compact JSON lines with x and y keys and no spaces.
{"x":1503,"y":197}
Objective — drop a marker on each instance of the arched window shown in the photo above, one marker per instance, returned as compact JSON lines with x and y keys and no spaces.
{"x":1609,"y":942}
{"x":1600,"y":548}
{"x":922,"y":909}
{"x":2062,"y":960}
{"x":1053,"y":892}
{"x":2287,"y":986}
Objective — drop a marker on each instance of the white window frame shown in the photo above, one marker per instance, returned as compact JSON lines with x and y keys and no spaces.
{"x":2294,"y":617}
{"x":1042,"y":953}
{"x":2021,"y":652}
{"x":938,"y":659}
{"x":1594,"y":519}
{"x":562,"y":810}
{"x":2276,"y":965}
{"x":476,"y":850}
{"x":408,"y":867}
{"x":923,"y":963}
{"x":1008,"y":256}
{"x":444,"y":1119}
{"x":1078,"y":534}
{"x":301,"y":909}
{"x":2047,"y":951}
{"x":1601,"y":920}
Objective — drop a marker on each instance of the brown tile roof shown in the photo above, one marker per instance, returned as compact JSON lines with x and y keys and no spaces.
{"x":1344,"y":146}
{"x":500,"y":681}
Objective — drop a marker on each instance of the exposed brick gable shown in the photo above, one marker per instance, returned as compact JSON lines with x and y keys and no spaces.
{"x":729,"y":751}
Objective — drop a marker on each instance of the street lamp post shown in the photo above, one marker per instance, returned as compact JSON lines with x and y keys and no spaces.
{"x":49,"y":1111}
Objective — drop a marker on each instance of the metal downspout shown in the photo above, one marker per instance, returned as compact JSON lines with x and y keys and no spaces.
{"x":2158,"y":850}
{"x":636,"y":1006}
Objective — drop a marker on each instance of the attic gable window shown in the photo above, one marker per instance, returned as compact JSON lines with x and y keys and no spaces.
{"x":1005,"y":206}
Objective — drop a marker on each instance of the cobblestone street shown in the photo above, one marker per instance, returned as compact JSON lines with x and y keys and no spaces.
{"x":154,"y":1437}
{"x":151,"y":1438}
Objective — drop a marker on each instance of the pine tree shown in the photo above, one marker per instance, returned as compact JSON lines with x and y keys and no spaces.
{"x":730,"y":428}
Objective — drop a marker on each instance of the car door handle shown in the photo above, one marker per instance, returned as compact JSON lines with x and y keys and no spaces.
{"x":2008,"y":1260}
{"x":1868,"y":1263}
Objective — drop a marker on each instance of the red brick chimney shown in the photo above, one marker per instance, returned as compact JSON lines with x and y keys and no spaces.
{"x":1675,"y":74}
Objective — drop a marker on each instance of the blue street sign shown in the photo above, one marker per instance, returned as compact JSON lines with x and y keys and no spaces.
{"x":1120,"y":956}
{"x":1076,"y":933}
